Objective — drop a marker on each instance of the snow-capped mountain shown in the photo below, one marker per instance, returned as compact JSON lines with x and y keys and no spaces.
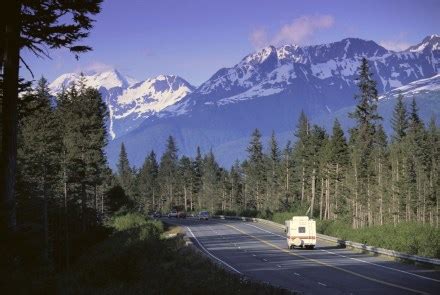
{"x":268,"y":89}
{"x":107,"y":79}
{"x":129,"y":101}
{"x":428,"y":44}
{"x":330,"y":69}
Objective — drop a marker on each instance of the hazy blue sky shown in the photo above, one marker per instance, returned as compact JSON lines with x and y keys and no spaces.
{"x":194,"y":38}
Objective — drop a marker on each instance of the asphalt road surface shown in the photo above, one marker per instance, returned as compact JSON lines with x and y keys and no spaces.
{"x":260,"y":252}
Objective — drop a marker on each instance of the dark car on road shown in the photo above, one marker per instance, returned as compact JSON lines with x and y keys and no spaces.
{"x":157,"y":214}
{"x":203,"y":215}
{"x":181,"y":214}
{"x":173,"y":213}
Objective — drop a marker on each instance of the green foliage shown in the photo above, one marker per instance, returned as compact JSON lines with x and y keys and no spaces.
{"x":133,"y":220}
{"x":412,"y":238}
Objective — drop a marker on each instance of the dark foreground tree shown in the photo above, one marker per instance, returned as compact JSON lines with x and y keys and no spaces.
{"x":34,"y":25}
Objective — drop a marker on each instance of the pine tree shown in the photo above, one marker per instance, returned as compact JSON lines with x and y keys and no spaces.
{"x":339,"y":159}
{"x":256,"y":170}
{"x":186,"y":181}
{"x":363,"y":135}
{"x":168,"y":171}
{"x":301,"y":153}
{"x":197,"y":167}
{"x":147,"y":182}
{"x":273,"y":177}
{"x":399,"y":120}
{"x":125,"y":172}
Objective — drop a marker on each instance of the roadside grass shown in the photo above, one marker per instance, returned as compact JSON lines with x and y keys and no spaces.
{"x":412,"y":238}
{"x":138,"y":259}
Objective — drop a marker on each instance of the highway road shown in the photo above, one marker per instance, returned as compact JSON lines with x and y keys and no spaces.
{"x":260,"y":252}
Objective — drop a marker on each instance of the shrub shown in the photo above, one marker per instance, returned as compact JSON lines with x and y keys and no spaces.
{"x":412,"y":238}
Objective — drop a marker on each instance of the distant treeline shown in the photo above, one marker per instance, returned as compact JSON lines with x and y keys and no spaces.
{"x":363,"y":178}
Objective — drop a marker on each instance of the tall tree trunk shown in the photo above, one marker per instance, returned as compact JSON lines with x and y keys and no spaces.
{"x":8,"y":157}
{"x":184,"y":197}
{"x":45,"y":221}
{"x":380,"y":195}
{"x":303,"y":182}
{"x":191,"y":200}
{"x":336,"y":196}
{"x":355,"y":200}
{"x":66,"y":220}
{"x":321,"y":199}
{"x":312,"y":203}
{"x":83,"y":206}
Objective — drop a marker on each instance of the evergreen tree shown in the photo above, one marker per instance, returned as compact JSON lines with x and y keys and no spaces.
{"x":147,"y":182}
{"x":125,"y":172}
{"x":168,"y":172}
{"x":256,"y":170}
{"x":210,"y":180}
{"x":399,"y":120}
{"x":186,"y":181}
{"x":301,"y":154}
{"x":197,"y":167}
{"x":363,"y":135}
{"x":273,"y":177}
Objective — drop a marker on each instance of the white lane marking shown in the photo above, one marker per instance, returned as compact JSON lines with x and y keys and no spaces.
{"x":386,"y":267}
{"x":322,"y":284}
{"x":279,"y":265}
{"x":264,"y":259}
{"x":269,"y":232}
{"x":213,"y":256}
{"x":254,"y":255}
{"x":357,"y":259}
{"x":297,"y":274}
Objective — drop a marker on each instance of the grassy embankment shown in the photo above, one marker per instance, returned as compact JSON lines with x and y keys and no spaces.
{"x":138,"y":258}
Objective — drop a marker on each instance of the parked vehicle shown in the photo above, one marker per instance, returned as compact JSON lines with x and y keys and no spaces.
{"x":301,"y":232}
{"x":203,"y":215}
{"x":157,"y":214}
{"x":173,"y":213}
{"x":181,"y":214}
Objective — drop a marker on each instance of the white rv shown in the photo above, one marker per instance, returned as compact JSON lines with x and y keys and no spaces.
{"x":301,"y":232}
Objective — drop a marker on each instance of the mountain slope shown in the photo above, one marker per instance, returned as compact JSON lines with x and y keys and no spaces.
{"x":268,"y":89}
{"x":129,"y":101}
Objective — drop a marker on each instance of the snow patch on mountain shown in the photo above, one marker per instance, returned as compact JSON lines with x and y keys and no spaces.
{"x":152,"y":95}
{"x":106,"y":79}
{"x":416,"y":87}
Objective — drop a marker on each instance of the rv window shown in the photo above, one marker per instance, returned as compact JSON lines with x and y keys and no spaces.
{"x":301,"y":229}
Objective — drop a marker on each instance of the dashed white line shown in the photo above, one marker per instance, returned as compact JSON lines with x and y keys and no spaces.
{"x":356,"y":259}
{"x":213,"y":256}
{"x":297,"y":274}
{"x":279,"y":266}
{"x":386,"y":267}
{"x":264,"y":259}
{"x":322,"y":284}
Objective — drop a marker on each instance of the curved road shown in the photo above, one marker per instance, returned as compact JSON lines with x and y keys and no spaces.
{"x":259,"y":251}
